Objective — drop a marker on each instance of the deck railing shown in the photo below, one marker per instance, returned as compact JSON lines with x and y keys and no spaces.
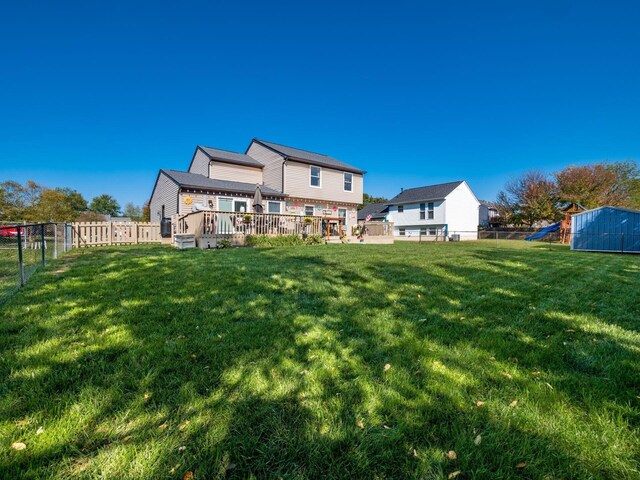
{"x":379,"y":229}
{"x":209,"y":222}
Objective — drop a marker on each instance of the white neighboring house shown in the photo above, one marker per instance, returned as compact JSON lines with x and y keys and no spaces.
{"x":435,"y":212}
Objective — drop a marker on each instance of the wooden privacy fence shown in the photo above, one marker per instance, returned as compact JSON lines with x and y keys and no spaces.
{"x":95,"y":234}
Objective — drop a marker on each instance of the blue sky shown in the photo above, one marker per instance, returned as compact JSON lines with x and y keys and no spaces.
{"x":99,"y":97}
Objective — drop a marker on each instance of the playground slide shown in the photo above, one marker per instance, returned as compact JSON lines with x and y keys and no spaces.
{"x":551,"y":228}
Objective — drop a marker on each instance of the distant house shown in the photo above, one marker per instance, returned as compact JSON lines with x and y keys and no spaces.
{"x":375,"y":212}
{"x":606,"y":229}
{"x":435,"y":212}
{"x":487,"y":213}
{"x":292,"y":181}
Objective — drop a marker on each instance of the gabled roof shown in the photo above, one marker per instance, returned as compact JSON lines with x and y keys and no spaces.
{"x":376,"y":210}
{"x":229,"y":157}
{"x":311,"y":158}
{"x":422,"y":194}
{"x":195,"y":180}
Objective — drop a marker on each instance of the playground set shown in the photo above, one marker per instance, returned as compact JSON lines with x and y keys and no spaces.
{"x":563,"y":225}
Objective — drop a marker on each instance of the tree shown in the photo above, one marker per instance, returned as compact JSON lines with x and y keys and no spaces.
{"x":528,"y":199}
{"x":89,"y":216}
{"x":75,"y":199}
{"x":54,"y":206}
{"x":599,"y":184}
{"x":132,"y":211}
{"x":367,"y":199}
{"x":105,"y":204}
{"x":628,"y":179}
{"x":18,"y":201}
{"x":146,"y":212}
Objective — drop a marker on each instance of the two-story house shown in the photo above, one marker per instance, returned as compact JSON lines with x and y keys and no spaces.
{"x":292,"y":181}
{"x":435,"y":212}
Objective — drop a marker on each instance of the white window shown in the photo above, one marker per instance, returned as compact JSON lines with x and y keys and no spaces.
{"x":400,"y":208}
{"x":430,"y":205}
{"x":423,"y":230}
{"x":348,"y":182}
{"x":308,"y":210}
{"x":402,"y":231}
{"x":433,"y":232}
{"x":342,"y":213}
{"x":314,"y":176}
{"x":422,"y":213}
{"x":274,"y":207}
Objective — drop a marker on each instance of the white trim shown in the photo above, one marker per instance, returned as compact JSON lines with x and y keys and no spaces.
{"x":344,"y":181}
{"x":319,"y":176}
{"x":313,"y":210}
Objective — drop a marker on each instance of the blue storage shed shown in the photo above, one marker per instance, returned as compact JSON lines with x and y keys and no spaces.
{"x":606,"y":229}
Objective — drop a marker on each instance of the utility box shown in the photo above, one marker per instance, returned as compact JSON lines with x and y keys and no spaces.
{"x":455,"y":237}
{"x":185,"y":240}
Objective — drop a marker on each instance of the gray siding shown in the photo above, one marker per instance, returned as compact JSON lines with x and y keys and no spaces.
{"x":331,"y":184}
{"x":272,"y":161}
{"x":234,"y":173}
{"x":165,"y":193}
{"x":200,"y":164}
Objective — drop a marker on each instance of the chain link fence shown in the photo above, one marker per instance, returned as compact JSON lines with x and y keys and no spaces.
{"x":26,"y":247}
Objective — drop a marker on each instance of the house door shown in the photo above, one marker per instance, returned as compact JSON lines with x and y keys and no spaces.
{"x":225,"y":224}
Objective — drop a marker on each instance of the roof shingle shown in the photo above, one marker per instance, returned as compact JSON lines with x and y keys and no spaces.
{"x":230,"y":157}
{"x":376,"y":210}
{"x":312,"y":158}
{"x":195,"y":180}
{"x":420,"y":194}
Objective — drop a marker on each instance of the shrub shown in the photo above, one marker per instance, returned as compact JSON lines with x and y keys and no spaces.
{"x":224,"y":244}
{"x":313,"y":240}
{"x":280,"y":240}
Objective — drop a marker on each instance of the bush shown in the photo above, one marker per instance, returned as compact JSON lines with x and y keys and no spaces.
{"x":224,"y":244}
{"x":313,"y":240}
{"x":281,"y":240}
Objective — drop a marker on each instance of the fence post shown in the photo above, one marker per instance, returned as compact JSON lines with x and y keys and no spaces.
{"x":110,"y":232}
{"x":135,"y":232}
{"x":42,"y":243}
{"x":20,"y":262}
{"x":55,"y":240}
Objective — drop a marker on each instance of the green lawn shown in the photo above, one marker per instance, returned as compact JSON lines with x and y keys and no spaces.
{"x":350,"y":361}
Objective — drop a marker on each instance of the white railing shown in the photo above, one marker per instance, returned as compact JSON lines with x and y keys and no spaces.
{"x":208,"y":222}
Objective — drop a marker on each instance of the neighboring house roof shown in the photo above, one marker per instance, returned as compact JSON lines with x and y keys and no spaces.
{"x":195,"y":180}
{"x":376,"y":210}
{"x":109,"y":218}
{"x":421,"y":194}
{"x":230,"y":157}
{"x":489,"y":205}
{"x":310,"y":158}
